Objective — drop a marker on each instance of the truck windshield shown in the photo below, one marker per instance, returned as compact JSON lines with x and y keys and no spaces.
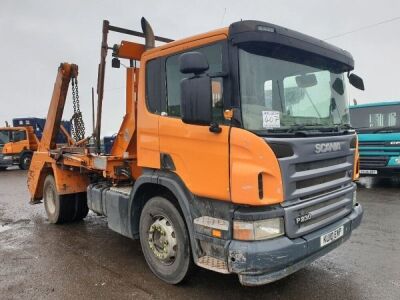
{"x":376,"y":118}
{"x":288,"y":90}
{"x":4,"y":137}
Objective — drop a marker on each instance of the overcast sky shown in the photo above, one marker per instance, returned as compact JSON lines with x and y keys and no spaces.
{"x":36,"y":35}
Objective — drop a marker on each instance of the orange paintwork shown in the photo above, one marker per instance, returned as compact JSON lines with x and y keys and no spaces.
{"x":250,"y":155}
{"x":53,"y":120}
{"x":67,"y":181}
{"x":201,"y":158}
{"x":125,"y":137}
{"x":30,"y":143}
{"x":130,"y":50}
{"x":356,"y":170}
{"x":196,"y":151}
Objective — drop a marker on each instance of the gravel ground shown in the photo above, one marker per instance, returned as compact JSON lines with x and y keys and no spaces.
{"x":87,"y":260}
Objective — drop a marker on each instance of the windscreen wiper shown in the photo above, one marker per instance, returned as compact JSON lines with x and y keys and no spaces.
{"x":344,"y":127}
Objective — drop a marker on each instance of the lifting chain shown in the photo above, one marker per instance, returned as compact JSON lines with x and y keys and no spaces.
{"x":77,"y":125}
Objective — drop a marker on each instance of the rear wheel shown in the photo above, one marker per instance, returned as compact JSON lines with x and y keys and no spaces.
{"x":63,"y":208}
{"x":59,"y":208}
{"x":25,"y":161}
{"x":165,"y":241}
{"x":81,"y":208}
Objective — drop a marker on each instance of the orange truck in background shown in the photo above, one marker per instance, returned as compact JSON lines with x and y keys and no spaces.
{"x":235,"y":152}
{"x":17,"y":145}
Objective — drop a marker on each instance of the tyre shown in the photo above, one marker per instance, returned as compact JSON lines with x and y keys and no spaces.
{"x":59,"y":208}
{"x":25,"y":161}
{"x":81,"y":208}
{"x":3,"y":168}
{"x":165,"y":240}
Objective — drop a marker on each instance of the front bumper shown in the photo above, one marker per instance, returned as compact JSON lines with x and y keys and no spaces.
{"x":261,"y":262}
{"x":5,"y":162}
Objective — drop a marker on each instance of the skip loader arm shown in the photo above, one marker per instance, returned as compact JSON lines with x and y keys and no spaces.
{"x":56,"y":109}
{"x":67,"y":180}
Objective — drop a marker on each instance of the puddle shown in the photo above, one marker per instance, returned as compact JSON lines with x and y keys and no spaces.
{"x":4,"y":227}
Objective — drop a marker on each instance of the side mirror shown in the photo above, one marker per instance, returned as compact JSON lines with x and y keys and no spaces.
{"x":115,"y":63}
{"x":196,"y":91}
{"x":193,"y":62}
{"x":196,"y":100}
{"x":356,"y":81}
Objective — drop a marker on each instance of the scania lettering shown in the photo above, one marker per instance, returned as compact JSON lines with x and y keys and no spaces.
{"x":327,"y":147}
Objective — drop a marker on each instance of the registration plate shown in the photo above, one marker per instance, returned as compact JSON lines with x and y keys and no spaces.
{"x":332,"y":236}
{"x":369,"y":172}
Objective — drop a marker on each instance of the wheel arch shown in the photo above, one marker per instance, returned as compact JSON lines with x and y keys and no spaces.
{"x":44,"y":172}
{"x":26,"y":151}
{"x":161,"y":183}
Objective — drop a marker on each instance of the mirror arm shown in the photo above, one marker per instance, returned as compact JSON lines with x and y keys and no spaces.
{"x":218,"y":74}
{"x":215,"y":128}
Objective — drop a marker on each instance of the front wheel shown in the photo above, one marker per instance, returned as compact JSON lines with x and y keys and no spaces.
{"x":25,"y":161}
{"x":165,"y":240}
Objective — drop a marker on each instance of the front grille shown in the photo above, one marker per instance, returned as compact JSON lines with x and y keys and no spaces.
{"x":319,"y":180}
{"x":371,"y":144}
{"x":316,"y":183}
{"x":375,"y":149}
{"x":320,"y":164}
{"x":373,"y":161}
{"x":319,"y":194}
{"x":322,"y":211}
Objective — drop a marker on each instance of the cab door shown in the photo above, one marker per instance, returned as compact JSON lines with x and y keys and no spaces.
{"x":199,"y":157}
{"x":19,"y":141}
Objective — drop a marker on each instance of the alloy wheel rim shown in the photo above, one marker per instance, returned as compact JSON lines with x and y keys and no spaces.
{"x":162,"y":240}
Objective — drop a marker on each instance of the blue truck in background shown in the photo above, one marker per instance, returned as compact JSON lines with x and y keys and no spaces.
{"x":378,"y":128}
{"x":38,"y":126}
{"x":108,"y":142}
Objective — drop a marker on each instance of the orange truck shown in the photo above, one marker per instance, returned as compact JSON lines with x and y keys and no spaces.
{"x":17,"y":145}
{"x":235,"y":153}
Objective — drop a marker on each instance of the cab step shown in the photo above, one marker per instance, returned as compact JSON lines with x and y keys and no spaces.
{"x":213,"y":264}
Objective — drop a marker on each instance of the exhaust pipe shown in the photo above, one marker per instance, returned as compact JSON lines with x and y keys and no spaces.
{"x":148,"y":34}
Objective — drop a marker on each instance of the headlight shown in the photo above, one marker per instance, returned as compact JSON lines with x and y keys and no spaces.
{"x":355,"y":197}
{"x":258,"y":230}
{"x":7,"y":157}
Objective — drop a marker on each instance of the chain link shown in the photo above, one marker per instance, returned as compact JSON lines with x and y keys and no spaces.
{"x":77,"y":125}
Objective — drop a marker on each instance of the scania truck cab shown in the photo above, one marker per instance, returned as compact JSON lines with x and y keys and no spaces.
{"x":17,"y":143}
{"x":236,"y":153}
{"x":378,"y":127}
{"x":16,"y":146}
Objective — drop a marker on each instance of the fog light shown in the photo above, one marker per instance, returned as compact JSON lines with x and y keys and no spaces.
{"x":258,"y":230}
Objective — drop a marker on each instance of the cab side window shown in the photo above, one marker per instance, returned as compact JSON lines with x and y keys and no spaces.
{"x":19,"y":136}
{"x":174,"y":77}
{"x":154,"y":85}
